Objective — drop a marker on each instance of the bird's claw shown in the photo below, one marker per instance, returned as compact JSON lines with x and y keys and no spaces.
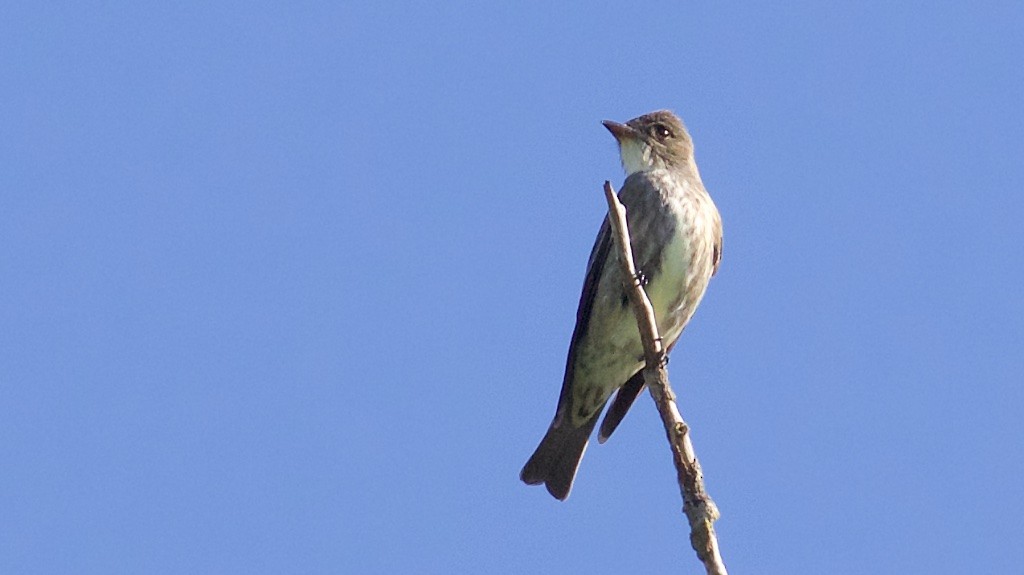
{"x":641,"y":278}
{"x":664,"y":356}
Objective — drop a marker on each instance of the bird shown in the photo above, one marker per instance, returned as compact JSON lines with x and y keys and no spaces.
{"x":676,"y":235}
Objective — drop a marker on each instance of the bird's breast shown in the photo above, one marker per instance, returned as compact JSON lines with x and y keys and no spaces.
{"x":686,"y":263}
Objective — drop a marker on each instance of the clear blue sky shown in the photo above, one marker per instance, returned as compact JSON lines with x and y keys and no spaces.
{"x":288,"y":289}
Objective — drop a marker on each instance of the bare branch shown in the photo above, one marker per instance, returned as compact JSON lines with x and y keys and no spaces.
{"x":700,"y":510}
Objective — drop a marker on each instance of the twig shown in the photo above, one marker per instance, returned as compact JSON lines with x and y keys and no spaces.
{"x":700,"y":510}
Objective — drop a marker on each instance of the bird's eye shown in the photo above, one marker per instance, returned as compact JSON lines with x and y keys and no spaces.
{"x":661,"y":131}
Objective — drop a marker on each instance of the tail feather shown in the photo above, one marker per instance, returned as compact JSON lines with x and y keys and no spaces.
{"x":558,"y":456}
{"x":624,"y":399}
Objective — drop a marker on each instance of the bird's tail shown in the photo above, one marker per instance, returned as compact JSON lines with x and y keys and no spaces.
{"x":624,"y":399}
{"x":558,"y":456}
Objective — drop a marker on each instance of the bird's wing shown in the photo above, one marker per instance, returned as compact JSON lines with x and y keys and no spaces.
{"x":598,"y":257}
{"x":642,"y":200}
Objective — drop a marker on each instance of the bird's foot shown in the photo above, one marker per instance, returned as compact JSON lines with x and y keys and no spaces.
{"x":641,"y":278}
{"x":664,"y":356}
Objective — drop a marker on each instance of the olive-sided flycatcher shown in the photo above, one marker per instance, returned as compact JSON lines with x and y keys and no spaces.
{"x":676,"y":234}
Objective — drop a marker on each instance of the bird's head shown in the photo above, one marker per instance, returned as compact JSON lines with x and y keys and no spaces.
{"x":651,"y":141}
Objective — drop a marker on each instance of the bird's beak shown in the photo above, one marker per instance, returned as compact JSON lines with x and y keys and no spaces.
{"x":622,"y":132}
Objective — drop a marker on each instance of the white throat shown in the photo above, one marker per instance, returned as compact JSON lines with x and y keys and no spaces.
{"x":636,"y":156}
